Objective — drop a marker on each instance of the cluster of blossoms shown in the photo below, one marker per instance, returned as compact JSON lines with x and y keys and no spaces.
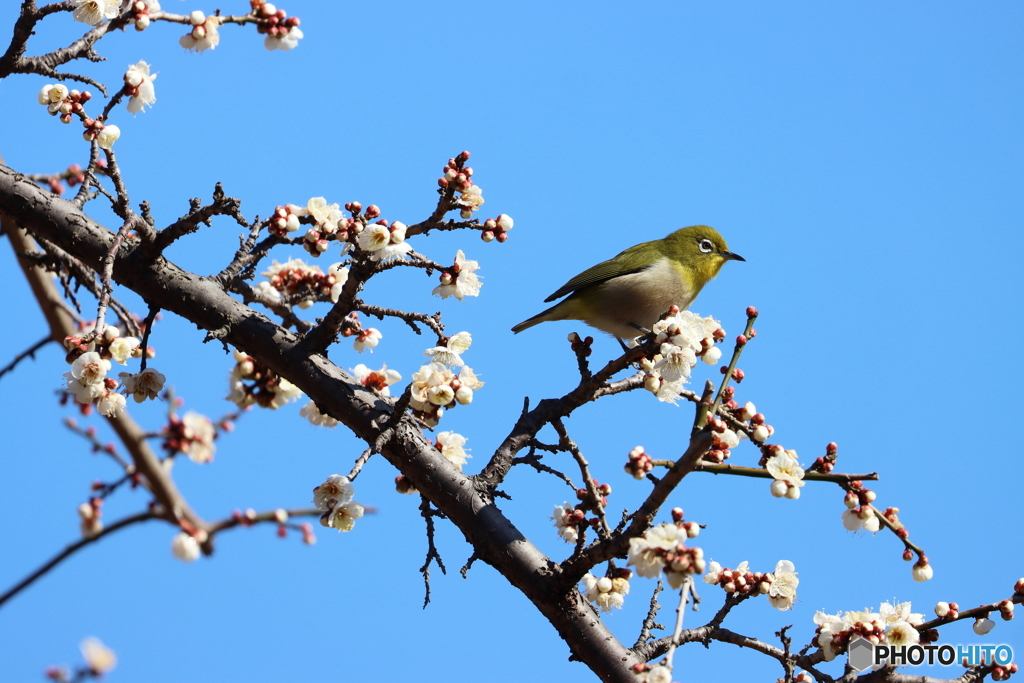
{"x":141,"y":9}
{"x":787,"y":475}
{"x":59,"y":101}
{"x":460,"y":280}
{"x":459,"y":177}
{"x":683,"y":336}
{"x":89,"y":514}
{"x":139,"y":85}
{"x":608,"y":592}
{"x":860,"y":513}
{"x":497,"y":228}
{"x":570,"y":519}
{"x":779,"y":585}
{"x":435,"y":387}
{"x":365,"y":337}
{"x":88,"y":382}
{"x":266,"y":389}
{"x":203,"y":34}
{"x":282,"y":31}
{"x":663,"y":548}
{"x":334,"y":497}
{"x":890,"y":625}
{"x":723,"y":440}
{"x":950,"y":611}
{"x":297,"y":280}
{"x":639,"y":463}
{"x":383,"y":241}
{"x":747,"y":413}
{"x":193,"y":435}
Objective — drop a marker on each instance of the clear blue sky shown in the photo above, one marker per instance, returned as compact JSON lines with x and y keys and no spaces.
{"x":864,"y":157}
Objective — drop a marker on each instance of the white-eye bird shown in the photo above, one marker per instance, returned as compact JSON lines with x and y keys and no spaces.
{"x":625,"y":295}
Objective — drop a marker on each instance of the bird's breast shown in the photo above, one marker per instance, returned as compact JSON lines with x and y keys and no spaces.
{"x":640,"y":298}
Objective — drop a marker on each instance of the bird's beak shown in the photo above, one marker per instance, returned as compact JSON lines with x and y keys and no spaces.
{"x":729,"y":256}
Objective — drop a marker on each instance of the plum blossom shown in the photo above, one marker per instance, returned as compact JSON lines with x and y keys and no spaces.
{"x":566,"y":520}
{"x":782,"y":590}
{"x":108,"y":135}
{"x":185,"y":547}
{"x":315,"y":417}
{"x":204,"y":34}
{"x":450,"y":353}
{"x":98,"y":657}
{"x":140,"y":80}
{"x":607,"y":593}
{"x":123,"y":348}
{"x":142,"y":385}
{"x":465,"y":283}
{"x":383,"y":243}
{"x":787,"y":473}
{"x":111,"y":404}
{"x":334,"y":496}
{"x":94,"y":12}
{"x":451,"y":446}
{"x":377,"y":380}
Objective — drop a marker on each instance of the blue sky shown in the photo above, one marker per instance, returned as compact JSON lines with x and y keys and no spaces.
{"x":865,"y":159}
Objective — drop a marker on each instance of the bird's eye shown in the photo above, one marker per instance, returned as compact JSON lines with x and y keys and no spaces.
{"x":706,"y":246}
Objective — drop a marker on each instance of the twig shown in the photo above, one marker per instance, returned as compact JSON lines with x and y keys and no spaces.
{"x":684,"y":595}
{"x":71,"y":549}
{"x":28,"y":353}
{"x":428,"y":515}
{"x":649,"y":623}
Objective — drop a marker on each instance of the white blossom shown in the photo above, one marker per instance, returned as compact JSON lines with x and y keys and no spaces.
{"x":452,"y":448}
{"x":450,"y":353}
{"x":94,"y":12}
{"x":204,"y":34}
{"x":646,"y":552}
{"x":111,"y":404}
{"x":138,"y":77}
{"x":337,"y":490}
{"x":200,"y":433}
{"x":123,"y":348}
{"x":313,"y":414}
{"x":343,"y":516}
{"x":561,"y":517}
{"x":782,"y":591}
{"x":283,"y":41}
{"x":98,"y":657}
{"x":185,"y":547}
{"x":143,"y":385}
{"x":466,"y":283}
{"x":108,"y":136}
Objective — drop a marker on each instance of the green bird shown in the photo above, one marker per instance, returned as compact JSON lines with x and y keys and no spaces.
{"x":625,"y":295}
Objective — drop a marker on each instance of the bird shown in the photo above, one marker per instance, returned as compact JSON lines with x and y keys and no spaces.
{"x":625,"y":295}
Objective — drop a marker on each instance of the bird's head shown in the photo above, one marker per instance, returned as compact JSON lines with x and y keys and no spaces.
{"x":700,"y":250}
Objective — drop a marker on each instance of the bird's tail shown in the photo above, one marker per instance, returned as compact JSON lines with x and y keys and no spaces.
{"x":541,"y":317}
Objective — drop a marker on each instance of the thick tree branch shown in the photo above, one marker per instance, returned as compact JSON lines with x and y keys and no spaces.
{"x":203,"y":301}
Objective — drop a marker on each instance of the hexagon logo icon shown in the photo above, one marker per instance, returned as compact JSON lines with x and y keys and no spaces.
{"x":861,"y":654}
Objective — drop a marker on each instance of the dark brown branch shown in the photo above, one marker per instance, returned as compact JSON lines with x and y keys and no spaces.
{"x":203,"y":301}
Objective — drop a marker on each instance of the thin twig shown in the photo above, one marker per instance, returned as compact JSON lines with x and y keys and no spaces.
{"x":28,"y":353}
{"x":71,"y":549}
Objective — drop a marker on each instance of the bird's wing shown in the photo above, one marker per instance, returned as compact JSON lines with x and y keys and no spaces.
{"x":603,"y":272}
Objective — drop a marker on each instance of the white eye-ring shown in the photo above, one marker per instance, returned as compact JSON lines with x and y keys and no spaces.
{"x":706,"y":246}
